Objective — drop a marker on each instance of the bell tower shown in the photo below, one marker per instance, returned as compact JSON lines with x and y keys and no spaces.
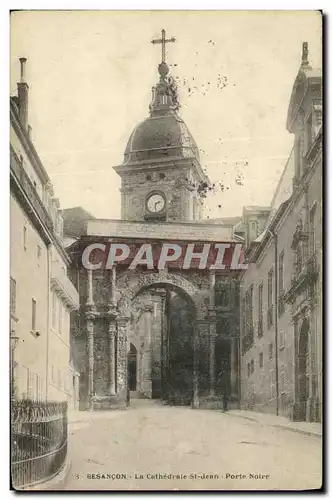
{"x":161,"y":168}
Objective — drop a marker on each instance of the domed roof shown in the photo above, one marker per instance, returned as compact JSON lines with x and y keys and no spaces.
{"x":161,"y":136}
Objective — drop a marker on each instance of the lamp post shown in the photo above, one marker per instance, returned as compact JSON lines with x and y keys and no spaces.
{"x":13,"y":344}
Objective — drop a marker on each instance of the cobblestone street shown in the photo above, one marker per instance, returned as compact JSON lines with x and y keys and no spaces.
{"x":134,"y":450}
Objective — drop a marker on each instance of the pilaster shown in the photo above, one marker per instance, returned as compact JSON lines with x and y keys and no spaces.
{"x":146,"y":382}
{"x":121,"y":369}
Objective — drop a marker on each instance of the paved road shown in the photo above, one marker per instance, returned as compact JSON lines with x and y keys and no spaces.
{"x":132,"y":447}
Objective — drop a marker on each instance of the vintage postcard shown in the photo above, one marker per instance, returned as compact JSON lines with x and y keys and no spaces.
{"x":166,"y":250}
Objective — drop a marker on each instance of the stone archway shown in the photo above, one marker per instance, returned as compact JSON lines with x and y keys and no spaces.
{"x":130,"y":285}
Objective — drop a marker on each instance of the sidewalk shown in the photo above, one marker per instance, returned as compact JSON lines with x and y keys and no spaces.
{"x":76,"y":416}
{"x":307,"y":428}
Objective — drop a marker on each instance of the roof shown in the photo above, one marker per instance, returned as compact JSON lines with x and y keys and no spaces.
{"x":161,"y":136}
{"x":306,"y":77}
{"x":74,"y":221}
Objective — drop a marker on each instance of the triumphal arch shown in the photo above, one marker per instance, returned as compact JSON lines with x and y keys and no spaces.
{"x":159,"y":314}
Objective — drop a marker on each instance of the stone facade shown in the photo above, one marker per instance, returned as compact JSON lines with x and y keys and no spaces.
{"x":281,"y":292}
{"x":135,"y":327}
{"x":41,"y":295}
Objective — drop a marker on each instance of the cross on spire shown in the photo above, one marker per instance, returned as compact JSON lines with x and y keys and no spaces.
{"x":163,"y":40}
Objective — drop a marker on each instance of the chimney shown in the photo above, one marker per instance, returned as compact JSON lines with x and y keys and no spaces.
{"x":23,"y":95}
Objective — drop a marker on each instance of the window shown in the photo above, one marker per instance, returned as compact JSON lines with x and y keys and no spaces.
{"x":12,"y":295}
{"x":261,"y":359}
{"x":281,"y":272}
{"x":281,"y":339}
{"x":25,"y":237}
{"x":249,"y":312}
{"x":282,"y":385}
{"x":272,"y":383}
{"x":270,"y":299}
{"x":270,"y":288}
{"x":162,"y":175}
{"x":249,"y":369}
{"x":252,"y":366}
{"x":270,"y":351}
{"x":281,"y":302}
{"x":54,"y":299}
{"x":260,"y":309}
{"x":33,"y":315}
{"x":148,"y":177}
{"x":222,"y":292}
{"x":312,"y":234}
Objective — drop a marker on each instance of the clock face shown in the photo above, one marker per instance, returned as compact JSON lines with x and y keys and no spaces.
{"x":155,"y":203}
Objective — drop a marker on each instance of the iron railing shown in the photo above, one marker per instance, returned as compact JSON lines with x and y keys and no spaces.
{"x":39,"y":441}
{"x":30,"y":190}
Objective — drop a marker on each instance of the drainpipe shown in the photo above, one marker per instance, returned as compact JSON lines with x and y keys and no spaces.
{"x":275,"y":239}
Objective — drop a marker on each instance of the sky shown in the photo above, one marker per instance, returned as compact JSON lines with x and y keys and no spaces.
{"x":90,"y":75}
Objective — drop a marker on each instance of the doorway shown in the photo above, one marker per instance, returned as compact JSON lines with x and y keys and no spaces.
{"x":132,"y":368}
{"x":303,"y":369}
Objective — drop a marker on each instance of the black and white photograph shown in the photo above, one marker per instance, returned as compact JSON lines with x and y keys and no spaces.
{"x":166,"y":250}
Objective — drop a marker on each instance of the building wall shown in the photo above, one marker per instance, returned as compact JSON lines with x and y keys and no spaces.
{"x":42,"y":296}
{"x":61,"y":373}
{"x":30,"y":274}
{"x":42,"y":356}
{"x":284,"y":358}
{"x":258,"y":383}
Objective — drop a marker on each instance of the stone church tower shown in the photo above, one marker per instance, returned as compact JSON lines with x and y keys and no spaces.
{"x":161,"y":165}
{"x":159,"y":178}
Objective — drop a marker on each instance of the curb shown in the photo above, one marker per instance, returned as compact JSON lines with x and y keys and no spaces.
{"x":299,"y":431}
{"x":279,"y":426}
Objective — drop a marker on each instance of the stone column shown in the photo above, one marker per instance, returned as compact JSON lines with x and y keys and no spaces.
{"x":90,"y":301}
{"x":112,"y":314}
{"x":147,"y":356}
{"x":111,"y":354}
{"x":212,"y":339}
{"x":90,"y":316}
{"x":122,"y":375}
{"x":212,"y":347}
{"x":233,"y":362}
{"x":195,"y":402}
